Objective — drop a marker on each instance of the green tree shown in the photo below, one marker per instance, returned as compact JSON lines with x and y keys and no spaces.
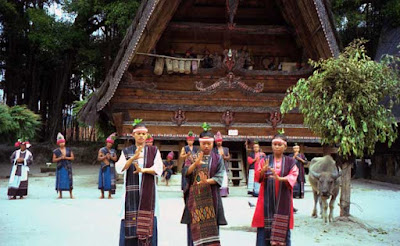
{"x":342,"y":103}
{"x":17,"y":122}
{"x":46,"y":60}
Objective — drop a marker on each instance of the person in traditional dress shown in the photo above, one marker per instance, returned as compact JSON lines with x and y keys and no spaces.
{"x":168,"y":165}
{"x":107,"y":156}
{"x":63,"y":156}
{"x":202,"y":196}
{"x":301,"y":160}
{"x":21,"y":159}
{"x":149,"y":140}
{"x":224,"y":153}
{"x":140,"y":209}
{"x":187,"y":153}
{"x":248,"y":145}
{"x":273,"y":216}
{"x":254,"y":157}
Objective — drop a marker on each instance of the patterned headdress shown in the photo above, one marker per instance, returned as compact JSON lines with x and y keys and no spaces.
{"x":22,"y":141}
{"x":280,"y":137}
{"x":218,"y":137}
{"x":149,"y":138}
{"x":170,"y":155}
{"x":111,"y":138}
{"x":60,"y":138}
{"x":138,"y":126}
{"x":206,"y":135}
{"x":190,"y":136}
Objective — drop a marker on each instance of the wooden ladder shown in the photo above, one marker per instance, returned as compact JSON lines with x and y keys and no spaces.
{"x":236,"y":168}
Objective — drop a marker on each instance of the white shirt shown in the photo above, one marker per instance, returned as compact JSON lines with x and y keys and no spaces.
{"x":157,"y":168}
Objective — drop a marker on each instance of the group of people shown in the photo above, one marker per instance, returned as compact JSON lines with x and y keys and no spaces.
{"x":204,"y":173}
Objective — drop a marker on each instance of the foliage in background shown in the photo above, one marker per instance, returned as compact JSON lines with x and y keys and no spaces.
{"x":17,"y":122}
{"x":342,"y":101}
{"x":51,"y":61}
{"x":364,"y":19}
{"x":103,"y":127}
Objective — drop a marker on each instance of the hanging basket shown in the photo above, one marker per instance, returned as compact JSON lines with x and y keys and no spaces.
{"x":175,"y":66}
{"x":195,"y":66}
{"x":159,"y":66}
{"x":181,"y":66}
{"x":187,"y":67}
{"x":168,"y":65}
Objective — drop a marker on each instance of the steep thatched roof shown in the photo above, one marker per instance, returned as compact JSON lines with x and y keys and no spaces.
{"x":153,"y":17}
{"x":389,"y":42}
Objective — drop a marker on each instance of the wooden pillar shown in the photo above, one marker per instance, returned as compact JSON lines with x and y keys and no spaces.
{"x":346,"y":187}
{"x":118,"y":119}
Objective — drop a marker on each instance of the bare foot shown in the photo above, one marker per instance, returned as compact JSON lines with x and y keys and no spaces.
{"x":101,"y":197}
{"x":110,"y":197}
{"x":12,"y":197}
{"x":59,"y":197}
{"x":72,"y":197}
{"x":21,"y":197}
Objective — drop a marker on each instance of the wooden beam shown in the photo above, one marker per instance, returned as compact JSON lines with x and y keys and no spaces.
{"x":118,"y":121}
{"x":243,"y":29}
{"x":194,"y":108}
{"x":241,"y":138}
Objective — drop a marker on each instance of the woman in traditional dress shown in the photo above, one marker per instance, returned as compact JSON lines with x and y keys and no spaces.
{"x":21,"y":159}
{"x":63,"y":156}
{"x":273,"y":216}
{"x":168,"y":165}
{"x":254,"y":157}
{"x":107,"y":156}
{"x":301,"y":160}
{"x":224,"y":153}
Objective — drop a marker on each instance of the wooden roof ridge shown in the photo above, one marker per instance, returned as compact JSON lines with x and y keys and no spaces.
{"x":103,"y":95}
{"x":129,"y":44}
{"x":295,"y":10}
{"x":326,"y":18}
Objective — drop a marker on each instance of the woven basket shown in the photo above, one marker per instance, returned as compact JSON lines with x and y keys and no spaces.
{"x":182,"y":66}
{"x":175,"y":66}
{"x":187,"y":67}
{"x":168,"y":65}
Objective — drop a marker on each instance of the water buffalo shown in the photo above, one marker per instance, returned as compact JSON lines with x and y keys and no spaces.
{"x":323,"y":177}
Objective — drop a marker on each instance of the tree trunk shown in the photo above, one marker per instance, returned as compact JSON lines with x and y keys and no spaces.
{"x":346,"y":189}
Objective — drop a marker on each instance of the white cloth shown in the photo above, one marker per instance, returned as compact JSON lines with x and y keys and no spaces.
{"x":158,"y":169}
{"x":250,"y":183}
{"x":225,"y":180}
{"x":24,"y":169}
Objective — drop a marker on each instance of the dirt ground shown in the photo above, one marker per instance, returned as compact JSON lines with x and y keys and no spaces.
{"x":41,"y":219}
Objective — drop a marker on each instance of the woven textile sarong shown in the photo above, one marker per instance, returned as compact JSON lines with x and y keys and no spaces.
{"x":276,"y":206}
{"x":64,"y":171}
{"x":204,"y":223}
{"x":107,"y":173}
{"x":201,"y":206}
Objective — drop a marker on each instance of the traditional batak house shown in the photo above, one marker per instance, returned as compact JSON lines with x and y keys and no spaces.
{"x":384,"y":165}
{"x":226,"y":62}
